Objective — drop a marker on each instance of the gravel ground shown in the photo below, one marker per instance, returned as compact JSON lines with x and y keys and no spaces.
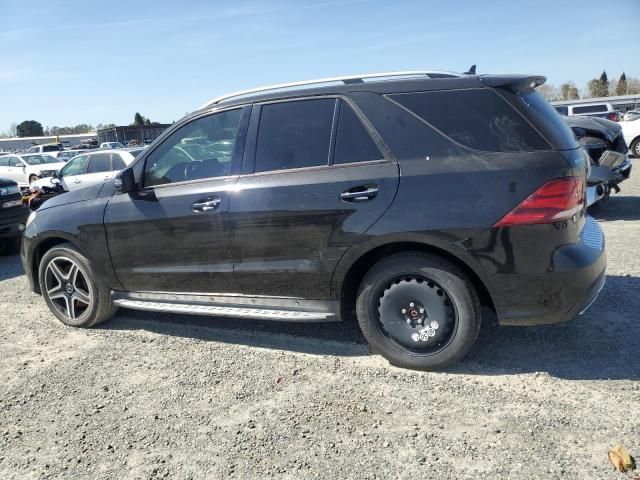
{"x":168,"y":396}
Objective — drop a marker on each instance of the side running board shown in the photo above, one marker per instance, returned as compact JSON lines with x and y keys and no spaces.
{"x":258,"y":309}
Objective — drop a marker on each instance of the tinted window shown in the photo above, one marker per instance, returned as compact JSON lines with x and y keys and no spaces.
{"x":545,"y":118}
{"x":200,"y":149}
{"x":99,"y":162}
{"x":353,"y":142}
{"x":4,"y":161}
{"x":294,"y":135}
{"x":15,"y":162}
{"x":117,"y":163}
{"x":478,"y":118}
{"x":562,"y":110}
{"x":76,"y":166}
{"x":590,"y":109}
{"x":51,"y":148}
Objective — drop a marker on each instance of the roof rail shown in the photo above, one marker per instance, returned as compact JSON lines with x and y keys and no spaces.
{"x":347,"y":80}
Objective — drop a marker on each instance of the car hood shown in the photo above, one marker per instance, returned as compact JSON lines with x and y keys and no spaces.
{"x":74,"y":196}
{"x":607,"y":128}
{"x":6,"y":182}
{"x":48,"y":166}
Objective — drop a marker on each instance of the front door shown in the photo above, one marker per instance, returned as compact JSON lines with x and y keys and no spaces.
{"x":172,"y":235}
{"x":317,"y":181}
{"x":11,"y":168}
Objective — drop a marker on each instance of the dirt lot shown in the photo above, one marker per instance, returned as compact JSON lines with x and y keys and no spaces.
{"x":166,"y":396}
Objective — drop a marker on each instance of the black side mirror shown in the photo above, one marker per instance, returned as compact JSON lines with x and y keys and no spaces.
{"x":125,"y":181}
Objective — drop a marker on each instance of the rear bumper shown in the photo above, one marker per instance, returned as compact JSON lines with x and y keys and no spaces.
{"x":569,"y":286}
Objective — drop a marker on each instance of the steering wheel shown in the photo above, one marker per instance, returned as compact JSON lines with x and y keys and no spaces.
{"x":191,"y":169}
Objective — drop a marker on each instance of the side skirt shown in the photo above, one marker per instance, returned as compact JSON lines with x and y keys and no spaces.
{"x":231,"y":305}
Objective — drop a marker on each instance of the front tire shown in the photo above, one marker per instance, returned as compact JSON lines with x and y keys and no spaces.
{"x":418,"y":311}
{"x":32,"y":178}
{"x":72,"y":290}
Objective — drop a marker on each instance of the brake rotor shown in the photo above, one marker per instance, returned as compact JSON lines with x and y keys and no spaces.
{"x":416,"y":313}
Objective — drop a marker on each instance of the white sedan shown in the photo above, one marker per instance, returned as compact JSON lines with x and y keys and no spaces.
{"x":90,"y":168}
{"x":27,"y":168}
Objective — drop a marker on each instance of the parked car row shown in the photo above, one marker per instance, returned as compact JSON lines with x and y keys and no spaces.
{"x":409,"y":202}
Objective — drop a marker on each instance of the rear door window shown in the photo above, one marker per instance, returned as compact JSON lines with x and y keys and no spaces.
{"x":294,"y":134}
{"x":15,"y":162}
{"x":51,"y":148}
{"x":353,"y":142}
{"x":99,"y":162}
{"x":4,"y":161}
{"x":117,"y":163}
{"x":476,"y":118}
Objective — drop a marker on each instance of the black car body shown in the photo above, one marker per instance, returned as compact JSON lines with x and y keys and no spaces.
{"x":411,"y":201}
{"x":608,"y":154}
{"x":13,"y":213}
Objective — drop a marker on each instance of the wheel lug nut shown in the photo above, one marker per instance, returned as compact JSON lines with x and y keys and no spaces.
{"x":404,"y":310}
{"x":421,"y":310}
{"x":408,"y":320}
{"x":412,"y":305}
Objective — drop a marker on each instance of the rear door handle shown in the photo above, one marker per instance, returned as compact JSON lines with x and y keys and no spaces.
{"x":359,"y":194}
{"x":206,"y":204}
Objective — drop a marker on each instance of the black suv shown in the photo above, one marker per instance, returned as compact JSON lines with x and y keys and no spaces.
{"x":13,"y":214}
{"x":410,"y":200}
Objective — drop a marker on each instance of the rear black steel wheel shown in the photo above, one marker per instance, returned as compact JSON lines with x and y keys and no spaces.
{"x":418,"y":310}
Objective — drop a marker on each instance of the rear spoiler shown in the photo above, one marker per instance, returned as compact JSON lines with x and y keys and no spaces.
{"x":514,"y":83}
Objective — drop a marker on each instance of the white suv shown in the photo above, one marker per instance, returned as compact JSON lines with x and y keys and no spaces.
{"x":595,"y":109}
{"x":47,"y":148}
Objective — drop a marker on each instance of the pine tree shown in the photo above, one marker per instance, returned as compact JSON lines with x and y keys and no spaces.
{"x":622,"y":88}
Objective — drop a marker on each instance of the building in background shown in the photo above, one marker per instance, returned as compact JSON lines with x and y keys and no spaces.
{"x":132,"y":134}
{"x":23,"y":143}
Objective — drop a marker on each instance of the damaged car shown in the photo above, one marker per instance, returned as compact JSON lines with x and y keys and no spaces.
{"x":608,"y":155}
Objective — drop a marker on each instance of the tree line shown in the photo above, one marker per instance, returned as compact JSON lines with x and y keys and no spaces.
{"x":596,"y":87}
{"x":33,"y":128}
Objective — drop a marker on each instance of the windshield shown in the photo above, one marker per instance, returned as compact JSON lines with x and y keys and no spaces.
{"x":39,"y":159}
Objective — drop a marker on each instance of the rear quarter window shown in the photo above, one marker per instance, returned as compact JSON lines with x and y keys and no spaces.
{"x":476,"y":118}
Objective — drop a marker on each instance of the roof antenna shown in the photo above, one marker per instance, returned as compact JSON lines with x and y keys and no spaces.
{"x":472,"y":70}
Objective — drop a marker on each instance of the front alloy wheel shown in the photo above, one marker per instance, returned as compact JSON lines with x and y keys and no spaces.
{"x":73,"y":291}
{"x":67,"y":288}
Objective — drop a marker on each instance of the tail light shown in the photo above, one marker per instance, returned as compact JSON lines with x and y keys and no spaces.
{"x":555,"y":201}
{"x":613,"y":117}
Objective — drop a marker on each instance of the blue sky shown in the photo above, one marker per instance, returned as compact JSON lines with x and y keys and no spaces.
{"x":69,"y":62}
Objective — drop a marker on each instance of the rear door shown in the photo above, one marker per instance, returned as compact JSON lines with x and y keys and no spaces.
{"x":99,"y":170}
{"x":316,"y":177}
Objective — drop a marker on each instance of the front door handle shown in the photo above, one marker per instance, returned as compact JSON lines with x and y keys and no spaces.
{"x":206,"y":204}
{"x":360,"y":194}
{"x":77,"y":180}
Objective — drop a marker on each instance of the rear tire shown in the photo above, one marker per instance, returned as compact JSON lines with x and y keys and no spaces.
{"x":635,"y":147}
{"x":72,"y":290}
{"x":442,"y":327}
